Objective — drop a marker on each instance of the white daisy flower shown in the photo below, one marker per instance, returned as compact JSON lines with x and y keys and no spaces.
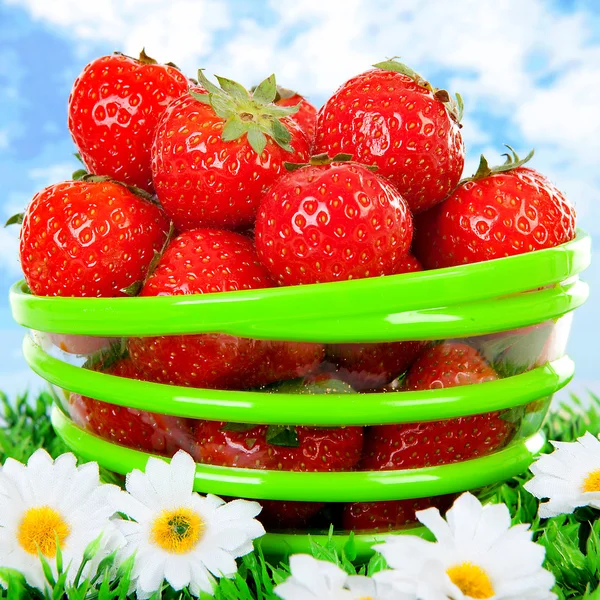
{"x":477,"y":556}
{"x":321,"y":580}
{"x":569,"y":477}
{"x":179,"y":535}
{"x":47,"y":501}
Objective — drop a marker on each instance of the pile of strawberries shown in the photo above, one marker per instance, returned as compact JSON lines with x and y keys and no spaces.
{"x":193,"y":188}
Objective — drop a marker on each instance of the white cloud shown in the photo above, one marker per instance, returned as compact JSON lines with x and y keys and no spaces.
{"x":9,"y":252}
{"x":55,"y":173}
{"x":177,"y":31}
{"x":4,"y":139}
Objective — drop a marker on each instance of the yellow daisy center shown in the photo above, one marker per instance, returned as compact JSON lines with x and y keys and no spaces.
{"x":177,"y":531}
{"x":40,"y":529}
{"x":471,"y":580}
{"x":592,"y":482}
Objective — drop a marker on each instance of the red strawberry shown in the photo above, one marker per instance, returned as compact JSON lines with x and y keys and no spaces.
{"x":278,"y":447}
{"x":372,"y":366}
{"x":281,"y":514}
{"x":285,"y":360}
{"x":114,"y":107}
{"x":415,"y":445}
{"x":327,"y":222}
{"x":202,"y":261}
{"x":392,"y":118}
{"x":89,"y":238}
{"x":499,"y":212}
{"x":448,"y":364}
{"x":409,"y":264}
{"x":390,"y":515}
{"x":138,"y":429}
{"x":306,"y":117}
{"x":215,"y":154}
{"x":285,"y":448}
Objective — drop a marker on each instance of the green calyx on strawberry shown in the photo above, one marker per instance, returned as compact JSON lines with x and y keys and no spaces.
{"x":513,"y":161}
{"x":252,"y":114}
{"x":500,"y":211}
{"x":455,"y":106}
{"x":319,"y":160}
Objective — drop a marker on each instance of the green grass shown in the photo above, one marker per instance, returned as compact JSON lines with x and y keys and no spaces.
{"x":572,"y":542}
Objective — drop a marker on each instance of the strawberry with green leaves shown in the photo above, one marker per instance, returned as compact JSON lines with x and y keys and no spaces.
{"x":424,"y":444}
{"x":392,"y":118}
{"x":89,"y":238}
{"x":218,"y":150}
{"x":332,"y":220}
{"x":114,"y":108}
{"x":500,"y":211}
{"x":202,"y":261}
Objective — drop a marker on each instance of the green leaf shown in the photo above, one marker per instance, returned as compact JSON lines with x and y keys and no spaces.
{"x":256,"y":139}
{"x":223,"y":106}
{"x":79,"y":174}
{"x":266,"y":91}
{"x":281,"y":133}
{"x":204,"y":98}
{"x":234,"y":129}
{"x":233,"y":88}
{"x":208,"y":85}
{"x":282,"y":435}
{"x":291,"y":167}
{"x":78,"y":157}
{"x":238,"y":427}
{"x":483,"y":170}
{"x":15,"y":220}
{"x":398,"y":67}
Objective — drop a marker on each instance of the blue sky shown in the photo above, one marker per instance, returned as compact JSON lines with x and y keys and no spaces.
{"x":529,"y":73}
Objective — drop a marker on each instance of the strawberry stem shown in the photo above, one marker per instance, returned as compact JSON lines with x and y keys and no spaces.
{"x":512,"y":162}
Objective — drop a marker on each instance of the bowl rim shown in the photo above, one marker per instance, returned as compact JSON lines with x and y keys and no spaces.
{"x":352,"y":486}
{"x":292,"y":409}
{"x":418,"y":303}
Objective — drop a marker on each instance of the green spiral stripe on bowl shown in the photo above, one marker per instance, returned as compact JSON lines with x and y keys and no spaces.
{"x":444,"y":303}
{"x":355,"y":486}
{"x":291,"y":409}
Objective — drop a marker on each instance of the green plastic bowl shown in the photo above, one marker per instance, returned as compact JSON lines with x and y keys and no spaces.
{"x":470,"y":300}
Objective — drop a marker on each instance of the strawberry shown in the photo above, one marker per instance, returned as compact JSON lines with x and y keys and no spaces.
{"x":306,"y":117}
{"x":138,"y":429}
{"x":281,"y":361}
{"x":415,"y":445}
{"x":332,"y":220}
{"x":216,"y":153}
{"x":392,"y":118}
{"x":389,"y":515}
{"x":114,"y":107}
{"x":409,"y":264}
{"x":202,"y":261}
{"x":500,"y":211}
{"x":89,"y":238}
{"x":277,"y":447}
{"x":372,"y":366}
{"x":448,"y":364}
